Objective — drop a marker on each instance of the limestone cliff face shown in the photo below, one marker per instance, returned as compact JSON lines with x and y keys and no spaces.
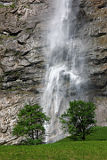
{"x":23,"y":29}
{"x":94,"y":14}
{"x":21,"y":59}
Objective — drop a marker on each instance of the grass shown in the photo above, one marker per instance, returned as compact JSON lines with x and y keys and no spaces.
{"x":100,"y":134}
{"x":94,"y":148}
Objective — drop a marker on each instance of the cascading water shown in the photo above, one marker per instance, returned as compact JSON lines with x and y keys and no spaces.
{"x":65,"y":69}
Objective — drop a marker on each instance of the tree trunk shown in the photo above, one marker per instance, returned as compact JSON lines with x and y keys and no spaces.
{"x":37,"y":135}
{"x":32,"y":135}
{"x":83,"y":137}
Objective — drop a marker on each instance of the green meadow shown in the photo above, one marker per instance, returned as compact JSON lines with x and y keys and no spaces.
{"x":94,"y":148}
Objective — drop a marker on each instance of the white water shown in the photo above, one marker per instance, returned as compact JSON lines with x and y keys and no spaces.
{"x":65,"y":66}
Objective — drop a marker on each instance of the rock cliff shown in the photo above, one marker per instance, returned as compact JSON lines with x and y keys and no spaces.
{"x":23,"y":30}
{"x":95,"y":31}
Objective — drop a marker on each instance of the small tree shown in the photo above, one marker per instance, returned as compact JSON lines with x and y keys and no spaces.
{"x":79,"y":120}
{"x":31,"y":124}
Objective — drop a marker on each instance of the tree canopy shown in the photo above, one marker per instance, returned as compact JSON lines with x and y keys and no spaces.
{"x":30,"y":123}
{"x":79,"y":119}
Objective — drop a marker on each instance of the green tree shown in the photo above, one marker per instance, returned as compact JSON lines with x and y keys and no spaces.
{"x":79,"y":119}
{"x":30,"y":124}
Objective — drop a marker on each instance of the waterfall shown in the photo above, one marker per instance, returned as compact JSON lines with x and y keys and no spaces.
{"x":65,"y":73}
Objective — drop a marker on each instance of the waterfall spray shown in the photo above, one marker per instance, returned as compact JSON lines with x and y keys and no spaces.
{"x":65,"y":66}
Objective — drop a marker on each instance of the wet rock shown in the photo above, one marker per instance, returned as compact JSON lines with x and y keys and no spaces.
{"x":95,"y":32}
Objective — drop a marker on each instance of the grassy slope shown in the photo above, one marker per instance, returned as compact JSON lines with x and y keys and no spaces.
{"x":94,"y":148}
